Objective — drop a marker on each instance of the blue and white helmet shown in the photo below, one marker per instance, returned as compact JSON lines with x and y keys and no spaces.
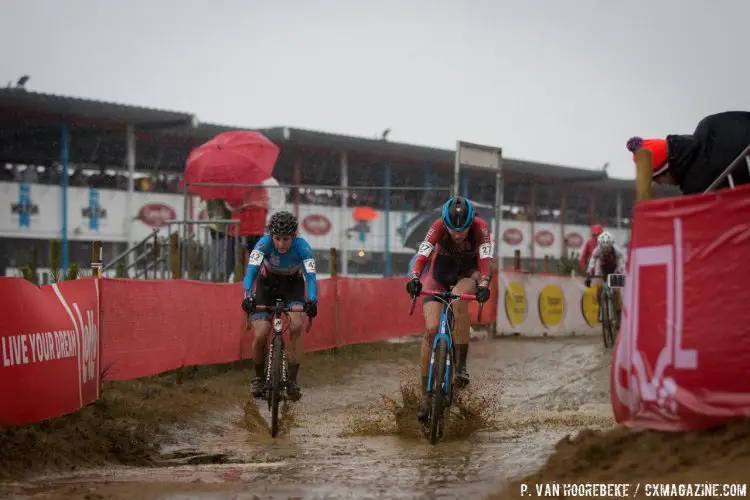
{"x":606,"y":240}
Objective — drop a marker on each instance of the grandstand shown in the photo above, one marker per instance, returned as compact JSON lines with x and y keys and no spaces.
{"x":30,"y":153}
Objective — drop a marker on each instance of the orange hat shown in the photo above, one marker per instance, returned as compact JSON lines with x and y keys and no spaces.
{"x":658,"y":148}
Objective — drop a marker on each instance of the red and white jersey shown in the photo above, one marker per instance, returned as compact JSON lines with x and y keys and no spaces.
{"x":477,"y":247}
{"x":599,"y":265}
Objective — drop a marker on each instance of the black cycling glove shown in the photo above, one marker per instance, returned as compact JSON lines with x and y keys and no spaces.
{"x":483,"y":294}
{"x":248,"y":304}
{"x":587,"y":282}
{"x":414,"y":286}
{"x":311,"y":308}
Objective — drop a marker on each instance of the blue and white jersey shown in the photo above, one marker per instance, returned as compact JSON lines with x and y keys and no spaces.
{"x":298,"y":258}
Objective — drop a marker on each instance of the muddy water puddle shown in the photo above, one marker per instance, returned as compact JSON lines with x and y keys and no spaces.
{"x":358,"y":438}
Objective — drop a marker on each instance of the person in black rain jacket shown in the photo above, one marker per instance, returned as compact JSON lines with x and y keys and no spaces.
{"x":693,"y":162}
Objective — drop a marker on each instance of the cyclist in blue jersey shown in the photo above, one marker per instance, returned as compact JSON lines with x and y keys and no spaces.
{"x":282,"y":262}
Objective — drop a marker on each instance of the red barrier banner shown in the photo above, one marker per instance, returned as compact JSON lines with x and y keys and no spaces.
{"x":49,"y":343}
{"x":376,"y":309}
{"x":322,"y":335}
{"x":682,"y":354}
{"x":53,"y":358}
{"x":156,"y":326}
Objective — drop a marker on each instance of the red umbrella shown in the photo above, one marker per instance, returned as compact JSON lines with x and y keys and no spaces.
{"x":237,"y":157}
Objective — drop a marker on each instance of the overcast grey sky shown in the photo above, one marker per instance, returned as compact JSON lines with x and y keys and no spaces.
{"x":562,"y":81}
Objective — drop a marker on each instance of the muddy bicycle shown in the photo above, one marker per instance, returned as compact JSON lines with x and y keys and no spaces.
{"x":442,"y":360}
{"x":607,"y":318}
{"x":276,"y":363}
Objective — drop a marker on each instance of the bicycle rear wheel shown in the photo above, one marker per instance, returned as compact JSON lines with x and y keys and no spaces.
{"x":437,"y":394}
{"x":276,"y":360}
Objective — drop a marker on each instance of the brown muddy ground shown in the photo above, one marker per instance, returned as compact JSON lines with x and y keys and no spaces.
{"x":354,"y":433}
{"x":538,"y":410}
{"x":720,"y":455}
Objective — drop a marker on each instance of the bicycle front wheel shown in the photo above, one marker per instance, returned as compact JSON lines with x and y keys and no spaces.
{"x":276,"y":360}
{"x":612,"y":321}
{"x":437,"y":400}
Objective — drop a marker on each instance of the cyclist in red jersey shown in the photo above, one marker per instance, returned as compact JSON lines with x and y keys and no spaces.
{"x":459,"y":249}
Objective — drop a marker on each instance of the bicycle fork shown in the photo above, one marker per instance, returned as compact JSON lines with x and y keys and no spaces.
{"x":277,"y":329}
{"x":606,"y":299}
{"x":448,"y":367}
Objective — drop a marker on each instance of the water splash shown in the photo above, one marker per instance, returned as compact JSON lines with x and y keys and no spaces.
{"x":255,"y":423}
{"x":474,"y":409}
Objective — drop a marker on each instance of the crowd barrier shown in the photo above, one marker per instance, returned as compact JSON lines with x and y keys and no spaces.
{"x":545,"y":304}
{"x":59,"y":342}
{"x":49,"y":342}
{"x":681,"y":358}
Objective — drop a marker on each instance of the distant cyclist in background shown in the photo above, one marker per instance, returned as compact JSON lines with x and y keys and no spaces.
{"x":459,"y":243}
{"x":282,"y":262}
{"x":606,"y":259}
{"x":590,"y":245}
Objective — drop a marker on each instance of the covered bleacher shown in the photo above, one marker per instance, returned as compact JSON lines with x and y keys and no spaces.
{"x":108,"y":139}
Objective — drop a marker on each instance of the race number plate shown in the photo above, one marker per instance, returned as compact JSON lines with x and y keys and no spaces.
{"x":485,"y":251}
{"x":616,"y":280}
{"x":425,"y":249}
{"x":256,"y":258}
{"x":309,"y":265}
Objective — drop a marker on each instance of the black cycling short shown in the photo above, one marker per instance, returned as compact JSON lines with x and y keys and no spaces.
{"x":445,"y":271}
{"x":269,"y":287}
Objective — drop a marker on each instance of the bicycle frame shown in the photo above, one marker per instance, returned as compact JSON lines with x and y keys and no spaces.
{"x":278,"y":312}
{"x":444,"y":332}
{"x":606,"y":300}
{"x":605,"y":296}
{"x":447,"y":298}
{"x":277,"y":369}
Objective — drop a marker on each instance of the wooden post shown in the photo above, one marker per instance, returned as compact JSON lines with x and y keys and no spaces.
{"x":96,"y":259}
{"x":334,"y":263}
{"x":240,"y":262}
{"x":643,"y":169}
{"x":174,"y":247}
{"x":336,"y":308}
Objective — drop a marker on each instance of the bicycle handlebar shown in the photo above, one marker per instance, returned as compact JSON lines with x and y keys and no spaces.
{"x":278,"y":309}
{"x":284,"y":308}
{"x":447,"y":295}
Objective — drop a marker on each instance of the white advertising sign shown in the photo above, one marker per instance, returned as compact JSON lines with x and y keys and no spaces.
{"x":538,"y":305}
{"x":35,"y":211}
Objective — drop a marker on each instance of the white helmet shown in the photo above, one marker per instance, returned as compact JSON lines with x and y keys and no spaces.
{"x":606,"y":239}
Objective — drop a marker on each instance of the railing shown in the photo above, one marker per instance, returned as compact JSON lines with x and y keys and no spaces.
{"x":731,"y":168}
{"x":149,"y":257}
{"x":209,"y":252}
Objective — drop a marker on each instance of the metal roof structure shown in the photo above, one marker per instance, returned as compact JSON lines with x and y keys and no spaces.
{"x":30,"y":129}
{"x":19,"y":103}
{"x":30,"y":134}
{"x":403,"y":152}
